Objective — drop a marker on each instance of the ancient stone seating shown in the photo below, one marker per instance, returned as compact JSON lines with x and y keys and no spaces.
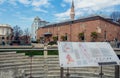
{"x":19,"y":65}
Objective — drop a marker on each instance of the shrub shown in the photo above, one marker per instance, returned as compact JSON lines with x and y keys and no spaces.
{"x":81,"y":36}
{"x":34,"y":41}
{"x":64,"y":38}
{"x":52,"y":43}
{"x":55,"y":38}
{"x":94,"y":36}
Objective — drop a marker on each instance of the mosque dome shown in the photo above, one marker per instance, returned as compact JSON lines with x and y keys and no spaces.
{"x":37,"y":18}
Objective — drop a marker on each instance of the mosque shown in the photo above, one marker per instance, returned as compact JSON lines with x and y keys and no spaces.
{"x":92,"y":28}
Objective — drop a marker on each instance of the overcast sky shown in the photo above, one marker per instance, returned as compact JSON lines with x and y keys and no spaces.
{"x":22,"y":12}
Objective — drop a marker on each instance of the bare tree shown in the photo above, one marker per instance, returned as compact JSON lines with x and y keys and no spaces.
{"x":115,"y":15}
{"x":17,"y":32}
{"x":27,"y":32}
{"x":26,"y":35}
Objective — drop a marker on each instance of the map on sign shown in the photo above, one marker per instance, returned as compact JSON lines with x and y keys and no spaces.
{"x":81,"y":54}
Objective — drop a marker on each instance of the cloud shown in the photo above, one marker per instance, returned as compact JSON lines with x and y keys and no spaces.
{"x":39,"y":3}
{"x":63,"y":16}
{"x":39,"y":9}
{"x":13,"y":2}
{"x":26,"y":19}
{"x":0,"y":13}
{"x":3,"y":10}
{"x":63,"y":5}
{"x":25,"y":1}
{"x":23,"y":18}
{"x":2,"y":1}
{"x":95,"y":4}
{"x":83,"y":7}
{"x":36,"y":4}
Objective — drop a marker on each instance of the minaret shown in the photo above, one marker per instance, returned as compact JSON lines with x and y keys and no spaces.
{"x":72,"y":12}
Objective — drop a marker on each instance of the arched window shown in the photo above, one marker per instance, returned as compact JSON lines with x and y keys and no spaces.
{"x":3,"y":38}
{"x":66,"y":36}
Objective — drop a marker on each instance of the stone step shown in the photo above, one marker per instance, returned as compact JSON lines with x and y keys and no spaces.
{"x":7,"y":53}
{"x":21,"y":61}
{"x":54,"y":76}
{"x":35,"y":71}
{"x":53,"y":68}
{"x":35,"y":75}
{"x":53,"y":59}
{"x":11,"y":54}
{"x":14,"y":58}
{"x":20,"y":65}
{"x":24,"y":67}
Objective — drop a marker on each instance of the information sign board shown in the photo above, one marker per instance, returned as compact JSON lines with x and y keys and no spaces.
{"x":81,"y":54}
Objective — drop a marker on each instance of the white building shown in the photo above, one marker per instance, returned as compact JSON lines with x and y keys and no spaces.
{"x":5,"y":32}
{"x":35,"y":25}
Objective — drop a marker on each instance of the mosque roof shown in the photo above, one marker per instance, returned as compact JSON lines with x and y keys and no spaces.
{"x":82,"y":19}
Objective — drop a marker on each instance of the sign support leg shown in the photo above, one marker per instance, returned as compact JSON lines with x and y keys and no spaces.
{"x":68,"y":74}
{"x":61,"y":72}
{"x":117,"y":71}
{"x":101,"y":72}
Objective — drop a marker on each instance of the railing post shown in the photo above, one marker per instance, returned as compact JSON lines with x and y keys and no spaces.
{"x":117,"y":71}
{"x":45,"y":61}
{"x":61,"y":72}
{"x":31,"y":56}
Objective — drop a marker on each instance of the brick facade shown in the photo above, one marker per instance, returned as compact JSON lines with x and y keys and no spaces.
{"x":106,"y":29}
